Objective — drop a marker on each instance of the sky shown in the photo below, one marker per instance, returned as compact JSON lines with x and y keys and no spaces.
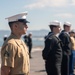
{"x":40,"y":12}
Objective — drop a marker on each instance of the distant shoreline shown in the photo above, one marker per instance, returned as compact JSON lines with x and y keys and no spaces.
{"x":37,"y":48}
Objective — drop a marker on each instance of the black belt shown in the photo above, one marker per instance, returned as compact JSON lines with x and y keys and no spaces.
{"x":24,"y":74}
{"x":21,"y":74}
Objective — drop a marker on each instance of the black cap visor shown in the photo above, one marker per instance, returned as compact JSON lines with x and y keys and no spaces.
{"x":23,"y":20}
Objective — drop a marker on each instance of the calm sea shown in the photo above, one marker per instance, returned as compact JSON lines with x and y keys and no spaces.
{"x":37,"y":37}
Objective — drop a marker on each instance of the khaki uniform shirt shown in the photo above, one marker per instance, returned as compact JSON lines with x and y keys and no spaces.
{"x":14,"y":53}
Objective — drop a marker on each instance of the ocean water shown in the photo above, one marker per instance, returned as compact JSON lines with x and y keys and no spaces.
{"x":37,"y":37}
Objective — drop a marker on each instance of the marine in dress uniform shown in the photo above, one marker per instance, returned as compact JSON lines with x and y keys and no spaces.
{"x":5,"y":37}
{"x":66,"y":48}
{"x":52,"y":52}
{"x":14,"y":52}
{"x":30,"y":44}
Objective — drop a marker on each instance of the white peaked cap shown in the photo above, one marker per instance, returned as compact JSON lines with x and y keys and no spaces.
{"x":55,"y":23}
{"x":30,"y":32}
{"x":67,"y":23}
{"x":21,"y":16}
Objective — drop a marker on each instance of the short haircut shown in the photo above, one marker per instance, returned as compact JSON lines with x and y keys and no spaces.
{"x":11,"y":23}
{"x":51,"y":27}
{"x":65,"y":26}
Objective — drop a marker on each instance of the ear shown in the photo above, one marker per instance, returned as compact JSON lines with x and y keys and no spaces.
{"x":15,"y":25}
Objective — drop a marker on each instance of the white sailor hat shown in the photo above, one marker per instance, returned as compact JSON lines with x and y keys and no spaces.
{"x":30,"y":32}
{"x":5,"y":36}
{"x":72,"y":31}
{"x":55,"y":23}
{"x":18,"y":17}
{"x":67,"y":23}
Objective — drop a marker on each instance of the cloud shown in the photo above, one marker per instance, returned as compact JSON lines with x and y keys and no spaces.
{"x":65,"y":15}
{"x":39,"y":4}
{"x":47,"y":3}
{"x":73,"y":2}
